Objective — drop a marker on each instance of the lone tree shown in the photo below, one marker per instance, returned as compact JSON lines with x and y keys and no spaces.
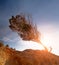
{"x":25,"y":29}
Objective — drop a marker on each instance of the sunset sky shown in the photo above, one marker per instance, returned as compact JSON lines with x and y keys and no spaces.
{"x":45,"y":13}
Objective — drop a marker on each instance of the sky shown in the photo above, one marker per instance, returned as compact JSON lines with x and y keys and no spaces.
{"x":45,"y":13}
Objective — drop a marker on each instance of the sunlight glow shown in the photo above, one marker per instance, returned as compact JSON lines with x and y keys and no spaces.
{"x":46,"y":40}
{"x":50,"y":37}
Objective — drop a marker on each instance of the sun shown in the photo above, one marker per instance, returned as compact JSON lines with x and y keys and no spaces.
{"x":46,"y":40}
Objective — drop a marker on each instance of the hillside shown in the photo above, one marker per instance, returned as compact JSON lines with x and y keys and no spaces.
{"x":10,"y":56}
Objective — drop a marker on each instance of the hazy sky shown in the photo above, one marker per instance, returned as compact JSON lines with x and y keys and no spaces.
{"x":45,"y":14}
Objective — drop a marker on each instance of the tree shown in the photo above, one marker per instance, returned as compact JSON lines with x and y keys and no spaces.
{"x":25,"y":29}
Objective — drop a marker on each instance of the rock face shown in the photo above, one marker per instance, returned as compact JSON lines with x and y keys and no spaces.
{"x":10,"y":56}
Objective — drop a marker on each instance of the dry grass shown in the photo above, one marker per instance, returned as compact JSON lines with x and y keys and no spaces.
{"x":27,"y":57}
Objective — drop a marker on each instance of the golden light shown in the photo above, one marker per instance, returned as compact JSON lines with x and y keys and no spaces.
{"x":46,"y":40}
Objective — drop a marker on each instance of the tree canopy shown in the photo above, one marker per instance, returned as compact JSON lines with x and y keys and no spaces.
{"x":25,"y":29}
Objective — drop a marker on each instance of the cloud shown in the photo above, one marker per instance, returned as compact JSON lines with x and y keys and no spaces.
{"x":6,"y":39}
{"x":11,"y":39}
